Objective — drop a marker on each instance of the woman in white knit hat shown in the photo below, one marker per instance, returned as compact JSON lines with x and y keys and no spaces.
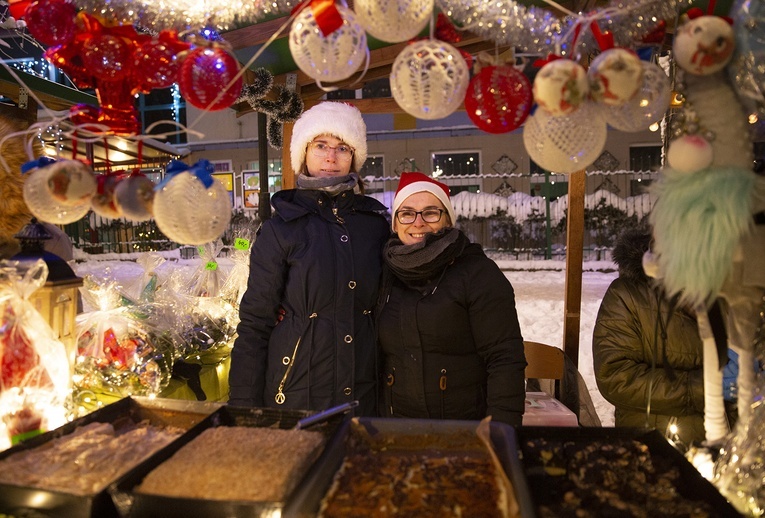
{"x":306,"y":338}
{"x":448,"y":329}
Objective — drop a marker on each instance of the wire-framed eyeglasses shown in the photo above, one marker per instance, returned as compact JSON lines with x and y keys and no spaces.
{"x":343,"y":152}
{"x":407,"y":217}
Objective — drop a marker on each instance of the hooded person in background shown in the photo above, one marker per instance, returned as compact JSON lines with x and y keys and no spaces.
{"x":306,"y":337}
{"x":448,"y":329}
{"x":647,"y":352}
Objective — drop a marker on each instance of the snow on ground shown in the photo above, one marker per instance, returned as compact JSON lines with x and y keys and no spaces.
{"x":539,"y":298}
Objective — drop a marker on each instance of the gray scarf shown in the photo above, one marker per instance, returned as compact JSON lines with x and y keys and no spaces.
{"x":332,"y":185}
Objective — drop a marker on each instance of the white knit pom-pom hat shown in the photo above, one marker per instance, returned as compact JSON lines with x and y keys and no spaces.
{"x":341,"y":120}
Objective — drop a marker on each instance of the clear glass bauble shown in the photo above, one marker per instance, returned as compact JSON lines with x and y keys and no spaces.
{"x":567,"y":143}
{"x":393,"y":20}
{"x":190,"y":214}
{"x":429,"y":79}
{"x":41,"y":203}
{"x":647,"y":106}
{"x":327,"y":58}
{"x":134,"y":196}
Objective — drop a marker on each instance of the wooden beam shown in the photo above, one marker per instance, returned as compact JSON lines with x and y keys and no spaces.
{"x":255,"y":34}
{"x":574,"y":257}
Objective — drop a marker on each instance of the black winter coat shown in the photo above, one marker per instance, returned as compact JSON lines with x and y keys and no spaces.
{"x":319,"y":258}
{"x":453,"y":349}
{"x":627,"y":342}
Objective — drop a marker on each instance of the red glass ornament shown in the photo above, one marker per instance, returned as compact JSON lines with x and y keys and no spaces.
{"x":205,"y":73}
{"x":51,"y":22}
{"x":498,"y":99}
{"x":156,"y":61}
{"x":108,"y":57}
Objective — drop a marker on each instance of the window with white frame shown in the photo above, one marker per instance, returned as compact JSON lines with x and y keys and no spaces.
{"x":374,"y":166}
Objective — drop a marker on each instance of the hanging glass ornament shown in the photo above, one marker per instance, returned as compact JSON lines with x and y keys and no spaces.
{"x":648,"y":106}
{"x":561,"y":86}
{"x":134,"y":196}
{"x":328,"y":55}
{"x":190,"y":206}
{"x":568,"y":143}
{"x":393,"y":20}
{"x":615,"y":76}
{"x":39,"y":190}
{"x":156,"y":61}
{"x":207,"y":75}
{"x":498,"y":99}
{"x":429,"y":79}
{"x":103,"y":201}
{"x":51,"y":22}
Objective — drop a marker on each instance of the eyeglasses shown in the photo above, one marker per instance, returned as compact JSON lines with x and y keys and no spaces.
{"x":407,"y":217}
{"x":343,"y":152}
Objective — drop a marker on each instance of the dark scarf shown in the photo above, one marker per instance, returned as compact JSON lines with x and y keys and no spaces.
{"x":424,"y":260}
{"x":332,"y":185}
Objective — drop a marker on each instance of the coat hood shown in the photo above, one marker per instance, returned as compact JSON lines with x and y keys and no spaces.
{"x":628,"y":253}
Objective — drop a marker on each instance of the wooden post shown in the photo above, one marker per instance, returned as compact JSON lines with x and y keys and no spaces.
{"x":574,"y":256}
{"x":264,"y":201}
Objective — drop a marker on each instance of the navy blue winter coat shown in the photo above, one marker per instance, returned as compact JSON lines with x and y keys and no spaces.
{"x":319,"y":258}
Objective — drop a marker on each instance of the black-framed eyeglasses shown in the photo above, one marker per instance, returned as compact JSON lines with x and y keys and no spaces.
{"x":343,"y":152}
{"x":407,"y":217}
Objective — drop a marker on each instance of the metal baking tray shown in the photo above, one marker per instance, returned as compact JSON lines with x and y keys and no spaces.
{"x":130,"y":503}
{"x":30,"y":501}
{"x":548,"y":489}
{"x":307,"y":499}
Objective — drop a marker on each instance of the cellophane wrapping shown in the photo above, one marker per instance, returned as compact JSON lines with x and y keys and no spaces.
{"x":35,"y":375}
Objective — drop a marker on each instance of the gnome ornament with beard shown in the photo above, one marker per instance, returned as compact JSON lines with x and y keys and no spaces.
{"x":709,"y":236}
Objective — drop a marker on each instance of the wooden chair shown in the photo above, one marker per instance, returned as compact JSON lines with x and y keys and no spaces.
{"x":545,"y":362}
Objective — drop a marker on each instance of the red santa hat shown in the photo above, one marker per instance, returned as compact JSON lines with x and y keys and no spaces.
{"x":412,"y":183}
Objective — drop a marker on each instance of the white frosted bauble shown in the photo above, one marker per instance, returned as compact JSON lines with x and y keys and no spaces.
{"x":429,"y":79}
{"x":647,"y":106}
{"x":43,"y":206}
{"x":190,"y":214}
{"x":689,"y":153}
{"x":393,"y":20}
{"x":334,"y":57}
{"x":568,"y":143}
{"x":615,"y":76}
{"x":134,"y":197}
{"x":71,"y":182}
{"x":561,"y":86}
{"x":704,"y":45}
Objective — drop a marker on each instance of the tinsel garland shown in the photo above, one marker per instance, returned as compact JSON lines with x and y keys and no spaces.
{"x":530,"y":29}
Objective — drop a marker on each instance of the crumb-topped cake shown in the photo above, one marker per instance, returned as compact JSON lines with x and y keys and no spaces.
{"x":236,"y":463}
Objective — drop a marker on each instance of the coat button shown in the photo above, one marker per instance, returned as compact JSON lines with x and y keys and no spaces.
{"x":347,"y":391}
{"x":352,"y":284}
{"x":286,"y":360}
{"x":348,"y":339}
{"x":344,"y":238}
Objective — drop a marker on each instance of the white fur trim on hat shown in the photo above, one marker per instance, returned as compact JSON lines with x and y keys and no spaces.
{"x":341,"y":120}
{"x":425,"y":185}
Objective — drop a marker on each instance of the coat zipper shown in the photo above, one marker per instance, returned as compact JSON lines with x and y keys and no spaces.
{"x":280,"y":398}
{"x":442,"y":387}
{"x":335,"y":213}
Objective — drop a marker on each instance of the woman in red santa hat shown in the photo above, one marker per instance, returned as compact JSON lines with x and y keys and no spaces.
{"x":314,"y":269}
{"x":449,"y":332}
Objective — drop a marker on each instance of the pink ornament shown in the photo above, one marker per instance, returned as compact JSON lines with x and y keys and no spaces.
{"x":704,"y":45}
{"x":498,"y":99}
{"x":51,"y":22}
{"x":561,"y":86}
{"x":108,"y":57}
{"x":206,"y":77}
{"x":615,"y":76}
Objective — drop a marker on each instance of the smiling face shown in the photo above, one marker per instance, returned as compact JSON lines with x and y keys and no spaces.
{"x":333,"y":163}
{"x":416,"y":232}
